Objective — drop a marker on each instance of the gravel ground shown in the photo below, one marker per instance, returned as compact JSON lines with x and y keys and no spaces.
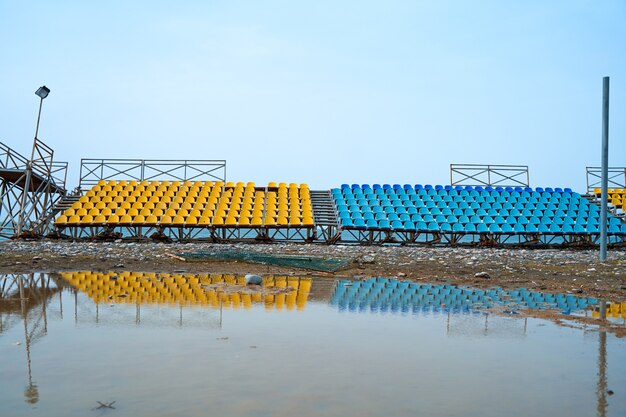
{"x":550,"y":270}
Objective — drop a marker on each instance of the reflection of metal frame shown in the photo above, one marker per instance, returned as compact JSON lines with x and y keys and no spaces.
{"x":29,"y":189}
{"x":616,"y":177}
{"x":94,"y":170}
{"x":489,"y":175}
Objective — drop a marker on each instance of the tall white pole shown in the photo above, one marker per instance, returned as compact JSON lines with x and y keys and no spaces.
{"x":605,"y":168}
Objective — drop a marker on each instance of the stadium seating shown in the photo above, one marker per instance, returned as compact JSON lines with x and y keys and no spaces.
{"x":617,"y":197}
{"x":190,"y":204}
{"x":393,"y":295}
{"x":174,"y":289}
{"x":468,"y":210}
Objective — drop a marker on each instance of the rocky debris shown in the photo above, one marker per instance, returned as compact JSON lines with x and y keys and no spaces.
{"x":482,"y":275}
{"x":515,"y":265}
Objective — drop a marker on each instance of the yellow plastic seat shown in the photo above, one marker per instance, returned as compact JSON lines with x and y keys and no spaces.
{"x":178,"y":220}
{"x":126,"y":219}
{"x":218,"y":220}
{"x":113,"y":219}
{"x":138,"y":219}
{"x":73,"y":219}
{"x":62,"y":219}
{"x":204,"y":220}
{"x":282,"y":221}
{"x":165,"y":220}
{"x":244,"y":221}
{"x":100,"y":219}
{"x":191,"y":221}
{"x":230,"y":221}
{"x":151,"y":220}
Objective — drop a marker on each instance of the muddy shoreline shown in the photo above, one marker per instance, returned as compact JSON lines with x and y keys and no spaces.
{"x":548,"y":270}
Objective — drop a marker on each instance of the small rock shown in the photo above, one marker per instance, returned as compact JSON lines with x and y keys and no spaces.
{"x":368,"y":259}
{"x":482,"y":275}
{"x":36,"y":258}
{"x":119,"y":266}
{"x":610,"y":392}
{"x":252,"y":279}
{"x":401,"y":274}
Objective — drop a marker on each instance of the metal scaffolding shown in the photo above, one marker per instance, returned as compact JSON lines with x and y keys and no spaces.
{"x":29,"y":189}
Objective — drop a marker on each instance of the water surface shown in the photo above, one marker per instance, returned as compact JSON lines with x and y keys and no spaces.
{"x":173,"y":345}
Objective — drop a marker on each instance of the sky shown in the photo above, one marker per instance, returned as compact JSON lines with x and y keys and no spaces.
{"x":319,"y":92}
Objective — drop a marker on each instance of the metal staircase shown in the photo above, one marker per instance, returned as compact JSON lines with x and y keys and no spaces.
{"x":325,"y":216}
{"x":63,"y":204}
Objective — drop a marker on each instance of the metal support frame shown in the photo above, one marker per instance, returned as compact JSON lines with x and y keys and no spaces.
{"x":489,"y":175}
{"x":94,"y":170}
{"x":364,"y":236}
{"x":29,"y":189}
{"x":616,"y":178}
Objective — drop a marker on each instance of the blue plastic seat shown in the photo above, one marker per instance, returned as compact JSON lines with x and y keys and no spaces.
{"x":519,"y":228}
{"x":482,"y":228}
{"x":384,"y":224}
{"x":458,"y":227}
{"x":397,"y":225}
{"x":359,"y":223}
{"x":532,"y":228}
{"x":346,"y":222}
{"x":433,"y":226}
{"x":470,"y":228}
{"x":409,"y":225}
{"x":421,"y":226}
{"x":494,"y":228}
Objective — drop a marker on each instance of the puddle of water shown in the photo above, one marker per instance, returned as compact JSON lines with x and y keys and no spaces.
{"x":173,"y":345}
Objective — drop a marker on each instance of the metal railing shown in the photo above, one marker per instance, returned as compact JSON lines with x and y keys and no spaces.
{"x":489,"y":175}
{"x":94,"y":170}
{"x":616,"y":177}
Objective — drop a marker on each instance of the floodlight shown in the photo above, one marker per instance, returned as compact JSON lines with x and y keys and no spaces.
{"x":43,"y":92}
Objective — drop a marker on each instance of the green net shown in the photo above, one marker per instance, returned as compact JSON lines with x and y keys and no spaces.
{"x":294,"y":261}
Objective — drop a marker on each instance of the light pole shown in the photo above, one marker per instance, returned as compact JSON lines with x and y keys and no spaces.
{"x":42,"y":92}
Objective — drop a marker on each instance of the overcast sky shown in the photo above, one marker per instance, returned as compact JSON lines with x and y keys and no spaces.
{"x":322,"y":92}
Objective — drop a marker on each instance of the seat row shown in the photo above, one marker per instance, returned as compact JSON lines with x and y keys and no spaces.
{"x":191,"y":204}
{"x":138,"y":287}
{"x":616,"y":197}
{"x":468,"y":210}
